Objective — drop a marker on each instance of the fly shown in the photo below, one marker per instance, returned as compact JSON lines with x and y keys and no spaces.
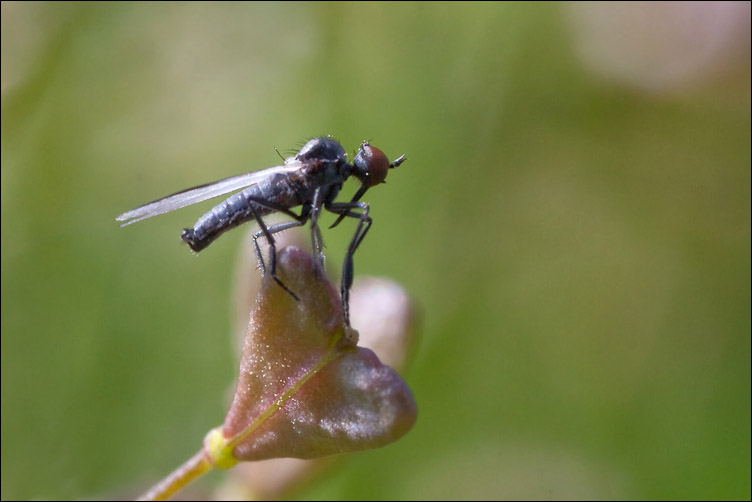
{"x":311,"y":179}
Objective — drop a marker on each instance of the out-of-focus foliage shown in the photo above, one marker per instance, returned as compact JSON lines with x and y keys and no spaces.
{"x":575,"y":231}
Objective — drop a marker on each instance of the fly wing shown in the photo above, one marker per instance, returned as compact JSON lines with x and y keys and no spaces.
{"x":203,"y":192}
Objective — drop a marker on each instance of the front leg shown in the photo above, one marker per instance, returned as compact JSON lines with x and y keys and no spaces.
{"x":345,"y":209}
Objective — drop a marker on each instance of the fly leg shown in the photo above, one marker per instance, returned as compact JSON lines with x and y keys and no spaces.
{"x":268,"y":232}
{"x":364,"y":224}
{"x":316,"y":239}
{"x":271,"y":230}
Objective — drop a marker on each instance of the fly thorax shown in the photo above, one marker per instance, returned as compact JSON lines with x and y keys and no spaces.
{"x":321,"y":149}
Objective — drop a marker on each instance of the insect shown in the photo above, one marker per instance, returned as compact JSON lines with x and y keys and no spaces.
{"x":311,"y":179}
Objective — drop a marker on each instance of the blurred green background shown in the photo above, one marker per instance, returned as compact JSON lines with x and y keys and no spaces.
{"x":573,"y":222}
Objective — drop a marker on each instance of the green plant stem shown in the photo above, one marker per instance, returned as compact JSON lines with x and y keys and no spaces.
{"x":195,"y":467}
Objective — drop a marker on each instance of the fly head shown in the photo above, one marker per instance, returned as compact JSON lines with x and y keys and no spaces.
{"x":372,"y":165}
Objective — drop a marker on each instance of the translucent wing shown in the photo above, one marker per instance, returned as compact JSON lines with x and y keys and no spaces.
{"x":203,"y":192}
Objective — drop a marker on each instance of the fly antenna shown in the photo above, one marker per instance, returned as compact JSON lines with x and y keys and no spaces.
{"x":399,"y":160}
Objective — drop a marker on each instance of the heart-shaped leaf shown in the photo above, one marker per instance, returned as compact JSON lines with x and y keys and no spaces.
{"x":305,"y":390}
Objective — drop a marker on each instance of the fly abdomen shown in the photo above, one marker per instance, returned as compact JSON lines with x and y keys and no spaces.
{"x":229,"y":214}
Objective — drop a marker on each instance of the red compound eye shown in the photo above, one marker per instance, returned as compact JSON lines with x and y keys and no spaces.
{"x":371,"y":165}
